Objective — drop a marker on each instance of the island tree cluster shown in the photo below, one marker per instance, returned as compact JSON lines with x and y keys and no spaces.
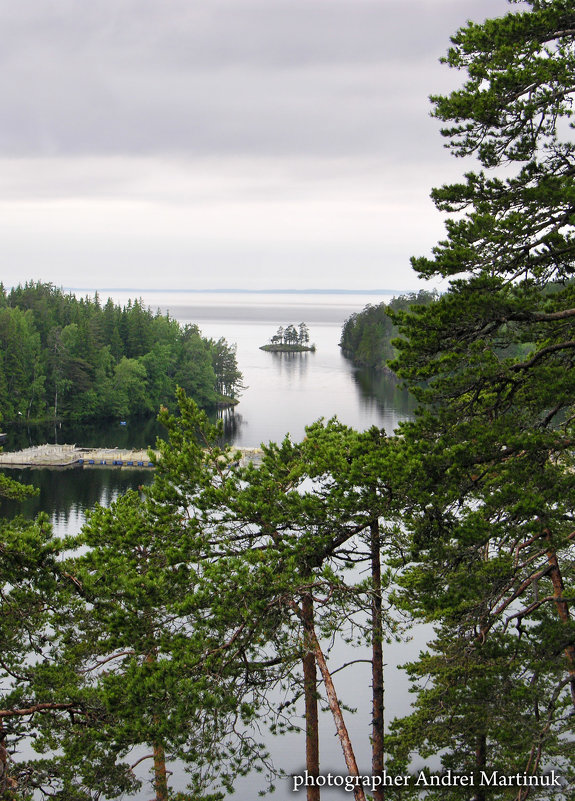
{"x":291,"y":335}
{"x":62,"y":356}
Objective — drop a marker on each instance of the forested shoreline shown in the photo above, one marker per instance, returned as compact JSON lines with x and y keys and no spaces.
{"x":64,"y":357}
{"x":366,"y":336}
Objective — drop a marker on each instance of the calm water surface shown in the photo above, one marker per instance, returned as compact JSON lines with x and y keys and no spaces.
{"x":287,"y":391}
{"x":283,"y":393}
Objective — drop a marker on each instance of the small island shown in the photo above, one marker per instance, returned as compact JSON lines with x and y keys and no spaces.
{"x":290,"y":340}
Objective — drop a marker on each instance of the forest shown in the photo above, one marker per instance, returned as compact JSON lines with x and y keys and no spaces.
{"x":63,"y":357}
{"x":166,"y":628}
{"x":367,"y":336}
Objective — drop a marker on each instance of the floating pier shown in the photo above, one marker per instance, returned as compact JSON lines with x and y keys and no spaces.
{"x":72,"y":456}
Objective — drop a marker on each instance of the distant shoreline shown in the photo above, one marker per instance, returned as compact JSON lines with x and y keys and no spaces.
{"x":236,"y":291}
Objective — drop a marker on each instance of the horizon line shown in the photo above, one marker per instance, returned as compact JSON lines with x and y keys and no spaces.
{"x":235,"y":290}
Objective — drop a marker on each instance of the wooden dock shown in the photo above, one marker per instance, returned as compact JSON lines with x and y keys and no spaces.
{"x":72,"y":456}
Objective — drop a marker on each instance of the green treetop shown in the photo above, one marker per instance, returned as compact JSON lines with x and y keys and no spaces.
{"x":69,"y":357}
{"x":492,"y":514}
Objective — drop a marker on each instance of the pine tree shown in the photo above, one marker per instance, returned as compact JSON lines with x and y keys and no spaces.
{"x":149,"y":638}
{"x":491,"y":361}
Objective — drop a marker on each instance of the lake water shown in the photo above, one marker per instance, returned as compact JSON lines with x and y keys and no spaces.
{"x":283,"y":393}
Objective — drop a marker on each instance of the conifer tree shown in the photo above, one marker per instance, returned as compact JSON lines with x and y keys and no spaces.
{"x":149,"y":638}
{"x":491,"y":361}
{"x":278,"y":537}
{"x":40,"y":693}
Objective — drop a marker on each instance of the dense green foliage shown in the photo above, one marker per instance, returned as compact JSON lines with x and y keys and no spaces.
{"x":181,"y":607}
{"x":366,"y":336}
{"x":177,"y":609}
{"x":492,"y":492}
{"x":110,"y":660}
{"x":37,"y":697}
{"x":62,"y":356}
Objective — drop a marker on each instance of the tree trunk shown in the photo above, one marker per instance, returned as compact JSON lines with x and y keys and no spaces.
{"x":160,"y":774}
{"x":562,"y":609}
{"x":7,"y":785}
{"x":341,"y":728}
{"x":310,"y":693}
{"x":480,"y":764}
{"x":377,"y":741}
{"x":3,"y":762}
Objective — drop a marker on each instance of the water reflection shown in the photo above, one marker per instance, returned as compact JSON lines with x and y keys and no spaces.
{"x":65,"y":494}
{"x":382,"y":390}
{"x":291,"y":364}
{"x":138,"y":432}
{"x":232,"y":422}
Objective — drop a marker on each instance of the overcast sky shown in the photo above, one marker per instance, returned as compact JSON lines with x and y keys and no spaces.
{"x":223,"y":143}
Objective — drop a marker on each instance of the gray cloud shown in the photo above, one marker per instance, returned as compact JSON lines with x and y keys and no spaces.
{"x":222,"y":142}
{"x":227,"y":76}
